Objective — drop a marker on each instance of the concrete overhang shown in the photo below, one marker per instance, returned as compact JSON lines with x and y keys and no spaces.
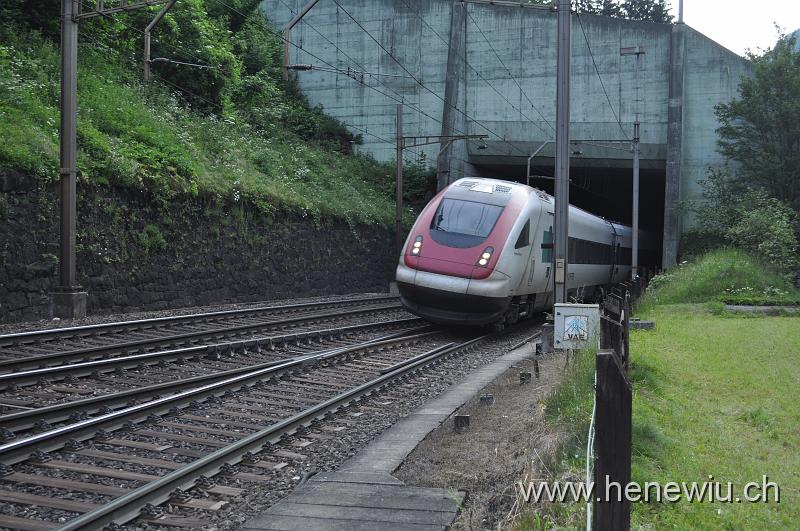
{"x":585,"y":154}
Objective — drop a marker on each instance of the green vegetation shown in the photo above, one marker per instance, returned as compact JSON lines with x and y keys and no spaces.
{"x":760,"y":129}
{"x":234,"y":132}
{"x":713,"y":395}
{"x":754,"y":205}
{"x":735,"y":213}
{"x":649,"y":10}
{"x":570,"y":406}
{"x":716,"y":396}
{"x":151,"y":239}
{"x":724,"y":275}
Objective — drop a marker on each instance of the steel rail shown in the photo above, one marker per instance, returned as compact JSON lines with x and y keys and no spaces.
{"x":127,"y":507}
{"x":105,"y":365}
{"x":18,"y":450}
{"x":37,"y":361}
{"x":88,"y":330}
{"x":526,"y":340}
{"x":24,"y":420}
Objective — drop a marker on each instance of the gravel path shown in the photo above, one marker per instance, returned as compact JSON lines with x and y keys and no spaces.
{"x":505,"y":439}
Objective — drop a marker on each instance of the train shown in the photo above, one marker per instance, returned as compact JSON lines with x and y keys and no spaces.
{"x":481,"y":253}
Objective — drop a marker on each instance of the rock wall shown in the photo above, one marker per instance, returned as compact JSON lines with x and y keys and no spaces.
{"x":134,"y":255}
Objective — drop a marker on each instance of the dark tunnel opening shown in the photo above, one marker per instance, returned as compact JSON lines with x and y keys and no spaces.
{"x":605,"y":192}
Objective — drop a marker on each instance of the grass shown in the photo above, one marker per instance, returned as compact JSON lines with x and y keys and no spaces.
{"x":724,"y":275}
{"x":144,"y":137}
{"x":716,"y":396}
{"x":714,"y":393}
{"x":567,"y":413}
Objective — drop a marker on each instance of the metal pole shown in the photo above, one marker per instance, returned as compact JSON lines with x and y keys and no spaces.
{"x":680,"y":11}
{"x":528,"y":171}
{"x":147,"y":31}
{"x":287,"y":35}
{"x":562,"y":153}
{"x":398,"y":215}
{"x":68,"y":134}
{"x":635,"y":245}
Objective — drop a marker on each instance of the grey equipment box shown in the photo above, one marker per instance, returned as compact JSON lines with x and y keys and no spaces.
{"x":577,"y":326}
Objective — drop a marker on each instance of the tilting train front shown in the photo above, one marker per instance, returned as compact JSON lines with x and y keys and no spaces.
{"x":481,"y":253}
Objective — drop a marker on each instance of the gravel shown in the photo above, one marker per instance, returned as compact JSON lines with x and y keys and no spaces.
{"x":11,"y":328}
{"x":109,"y":382}
{"x":379,"y":412}
{"x":328,"y":449}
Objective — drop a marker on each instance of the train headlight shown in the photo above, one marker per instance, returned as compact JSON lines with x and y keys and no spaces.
{"x":485,"y":256}
{"x":417,"y":247}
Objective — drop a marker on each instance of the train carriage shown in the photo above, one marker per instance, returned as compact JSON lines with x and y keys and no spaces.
{"x":481,"y":252}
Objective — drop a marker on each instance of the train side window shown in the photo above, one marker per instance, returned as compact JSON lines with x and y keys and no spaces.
{"x":524,"y":238}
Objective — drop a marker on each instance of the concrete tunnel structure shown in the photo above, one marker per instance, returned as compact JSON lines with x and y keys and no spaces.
{"x":489,"y":67}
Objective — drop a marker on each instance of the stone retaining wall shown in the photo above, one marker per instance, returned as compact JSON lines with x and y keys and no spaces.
{"x":133,"y":255}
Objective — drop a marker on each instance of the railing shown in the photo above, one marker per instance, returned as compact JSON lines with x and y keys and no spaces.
{"x":613,"y":402}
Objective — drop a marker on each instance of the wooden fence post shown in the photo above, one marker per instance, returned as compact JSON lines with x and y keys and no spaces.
{"x":612,"y":471}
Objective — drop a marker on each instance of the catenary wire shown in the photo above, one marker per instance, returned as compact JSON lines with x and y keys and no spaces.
{"x":380,"y":44}
{"x":509,"y":71}
{"x":477,"y":72}
{"x":596,"y":69}
{"x":213,"y":103}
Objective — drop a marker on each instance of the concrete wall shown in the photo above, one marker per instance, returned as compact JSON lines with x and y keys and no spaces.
{"x":505,"y":39}
{"x":712,"y":76}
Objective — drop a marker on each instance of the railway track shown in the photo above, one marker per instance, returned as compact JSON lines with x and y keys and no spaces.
{"x":113,"y":387}
{"x":110,"y":466}
{"x":29,"y":350}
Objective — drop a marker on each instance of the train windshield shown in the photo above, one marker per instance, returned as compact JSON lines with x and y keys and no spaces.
{"x":459,"y":223}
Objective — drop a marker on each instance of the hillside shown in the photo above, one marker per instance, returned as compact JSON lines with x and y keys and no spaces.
{"x":232,"y":130}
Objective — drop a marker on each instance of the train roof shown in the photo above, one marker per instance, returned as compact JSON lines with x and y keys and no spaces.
{"x":484,"y":190}
{"x":499,"y":192}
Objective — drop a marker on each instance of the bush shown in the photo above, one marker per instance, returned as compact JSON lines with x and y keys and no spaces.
{"x":735,"y":214}
{"x":151,"y":239}
{"x":766,"y":230}
{"x":724,"y":275}
{"x":145,"y":137}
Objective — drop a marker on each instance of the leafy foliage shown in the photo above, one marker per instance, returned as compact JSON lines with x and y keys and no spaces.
{"x":760,"y":130}
{"x":649,"y":10}
{"x":737,"y":214}
{"x":223,"y":58}
{"x":148,"y":138}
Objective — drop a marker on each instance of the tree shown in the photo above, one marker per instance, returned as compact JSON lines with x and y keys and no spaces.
{"x":649,"y":10}
{"x":735,"y":213}
{"x":760,"y":130}
{"x":609,"y":8}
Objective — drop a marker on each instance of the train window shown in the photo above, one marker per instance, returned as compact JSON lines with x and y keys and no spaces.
{"x":589,"y":252}
{"x":459,"y":223}
{"x":524,"y":238}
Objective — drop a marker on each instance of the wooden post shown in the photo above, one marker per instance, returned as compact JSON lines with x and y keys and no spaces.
{"x":612,"y":471}
{"x":625,"y":330}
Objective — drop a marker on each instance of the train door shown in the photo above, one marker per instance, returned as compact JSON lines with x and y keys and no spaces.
{"x":547,"y":264}
{"x":615,"y":255}
{"x":522,"y":252}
